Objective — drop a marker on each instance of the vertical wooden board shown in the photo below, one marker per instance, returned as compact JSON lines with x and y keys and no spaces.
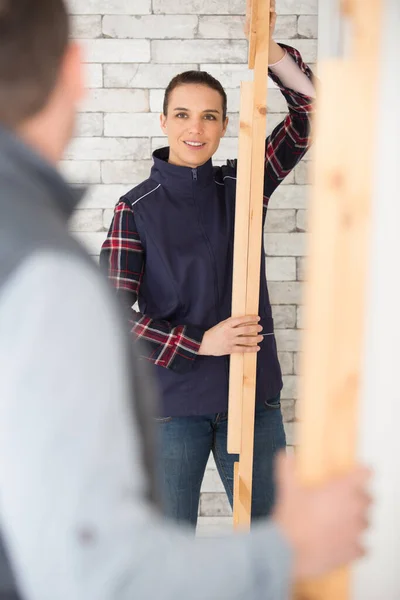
{"x":240,"y":259}
{"x":254,"y":254}
{"x":252,"y":34}
{"x":366,"y":31}
{"x":236,"y":495}
{"x":247,"y":449}
{"x":340,"y":218}
{"x":319,"y":290}
{"x":258,"y":158}
{"x":378,"y":574}
{"x":319,"y":372}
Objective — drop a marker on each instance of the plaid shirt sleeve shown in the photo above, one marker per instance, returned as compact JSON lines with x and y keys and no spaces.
{"x":290,"y":140}
{"x":122,"y":257}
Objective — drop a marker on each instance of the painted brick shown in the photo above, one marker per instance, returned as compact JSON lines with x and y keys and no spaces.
{"x":214,"y":504}
{"x":111,"y":51}
{"x":290,"y":196}
{"x":143,"y":75}
{"x":157,"y":100}
{"x":150,"y":27}
{"x":213,"y":27}
{"x":285,"y":292}
{"x":205,"y":7}
{"x":232,"y":27}
{"x":103,"y":196}
{"x":93,"y":75}
{"x":297,"y":7}
{"x":125,"y":171}
{"x":288,"y":340}
{"x":286,"y":360}
{"x":91,"y":241}
{"x":302,"y":220}
{"x":81,"y":171}
{"x":280,"y":221}
{"x":86,"y":26}
{"x":109,"y":149}
{"x":286,"y":27}
{"x":173,"y":51}
{"x":89,"y":125}
{"x":284,"y":316}
{"x":87,"y":220}
{"x":303,"y":173}
{"x":285,"y":244}
{"x":109,"y":7}
{"x":301,"y":269}
{"x":276,"y":102}
{"x":298,"y":358}
{"x":132,"y":125}
{"x":307,"y":26}
{"x":107,"y":218}
{"x":281,"y":268}
{"x":289,"y":389}
{"x":288,"y":407}
{"x":212,"y":483}
{"x":111,"y":100}
{"x":300,"y":317}
{"x":290,"y":430}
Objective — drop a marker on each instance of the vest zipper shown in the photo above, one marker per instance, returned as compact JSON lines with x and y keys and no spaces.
{"x":210,"y":250}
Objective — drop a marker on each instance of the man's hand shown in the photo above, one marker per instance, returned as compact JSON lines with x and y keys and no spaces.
{"x":236,"y":334}
{"x":323,"y":524}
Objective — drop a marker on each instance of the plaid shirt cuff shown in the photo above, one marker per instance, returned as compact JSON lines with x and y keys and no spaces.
{"x":175,"y":348}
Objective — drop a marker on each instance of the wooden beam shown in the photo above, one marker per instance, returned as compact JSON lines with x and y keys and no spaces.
{"x":240,"y":259}
{"x":324,"y":333}
{"x":337,"y":271}
{"x":378,"y":576}
{"x":261,"y":17}
{"x":252,"y":32}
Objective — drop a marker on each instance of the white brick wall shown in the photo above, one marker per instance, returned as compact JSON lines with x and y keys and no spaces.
{"x":132,"y":48}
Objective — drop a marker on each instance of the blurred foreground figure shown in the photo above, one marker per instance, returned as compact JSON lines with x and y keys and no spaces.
{"x":78,"y":508}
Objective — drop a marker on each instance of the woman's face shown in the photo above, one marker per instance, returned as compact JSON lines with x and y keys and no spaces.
{"x":194,"y":124}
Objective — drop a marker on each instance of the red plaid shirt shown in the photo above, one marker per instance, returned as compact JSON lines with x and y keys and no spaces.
{"x":122,"y":253}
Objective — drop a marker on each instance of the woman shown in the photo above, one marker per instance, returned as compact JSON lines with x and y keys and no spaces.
{"x":170,"y":246}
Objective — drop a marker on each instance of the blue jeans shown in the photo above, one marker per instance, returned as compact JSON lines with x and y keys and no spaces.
{"x":186,"y":443}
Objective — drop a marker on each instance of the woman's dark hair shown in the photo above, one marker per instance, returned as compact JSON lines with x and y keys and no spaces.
{"x":199,"y":78}
{"x":33,"y":40}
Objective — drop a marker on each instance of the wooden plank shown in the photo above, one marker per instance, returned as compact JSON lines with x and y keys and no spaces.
{"x":324,"y":333}
{"x":254,"y":257}
{"x":251,"y":19}
{"x":236,"y":493}
{"x":339,"y":222}
{"x":379,"y":575}
{"x":239,"y":285}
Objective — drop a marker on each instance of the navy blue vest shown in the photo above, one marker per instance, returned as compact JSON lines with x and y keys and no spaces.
{"x":185,"y":218}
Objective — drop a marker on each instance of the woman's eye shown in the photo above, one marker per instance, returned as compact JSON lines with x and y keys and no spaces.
{"x":210,"y":117}
{"x":181,"y":115}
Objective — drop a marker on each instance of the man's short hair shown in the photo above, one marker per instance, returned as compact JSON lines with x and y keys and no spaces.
{"x":33,"y":40}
